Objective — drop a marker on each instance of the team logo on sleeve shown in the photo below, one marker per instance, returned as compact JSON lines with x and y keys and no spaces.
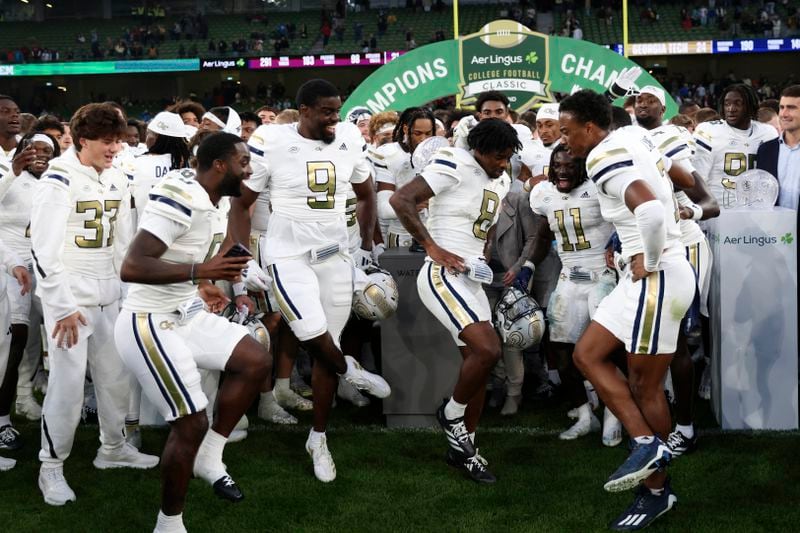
{"x":508,"y":57}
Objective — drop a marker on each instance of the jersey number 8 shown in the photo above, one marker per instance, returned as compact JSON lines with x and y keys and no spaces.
{"x":489,"y":207}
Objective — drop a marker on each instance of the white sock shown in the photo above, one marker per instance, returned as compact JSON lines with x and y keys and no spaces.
{"x":315,"y":436}
{"x":585,"y":412}
{"x":657,"y":492}
{"x":267,"y":398}
{"x":212,"y":446}
{"x":454,"y":410}
{"x":647,"y":439}
{"x":5,"y":420}
{"x":472,"y":437}
{"x":686,"y":431}
{"x":170,"y":523}
{"x":281,"y":385}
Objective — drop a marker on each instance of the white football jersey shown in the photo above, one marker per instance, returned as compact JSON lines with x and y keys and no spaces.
{"x":724,"y":152}
{"x":308,"y":183}
{"x":465,"y":203}
{"x":180,"y":214}
{"x":576,"y":222}
{"x":259,"y":219}
{"x":625,"y":156}
{"x":393,"y":166}
{"x":15,"y":214}
{"x":80,"y":229}
{"x":353,"y":228}
{"x":677,"y":144}
{"x":147,"y":170}
{"x":535,"y":156}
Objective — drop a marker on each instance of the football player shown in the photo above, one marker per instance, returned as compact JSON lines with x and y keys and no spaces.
{"x":726,"y":148}
{"x":306,"y":247}
{"x":393,"y":168}
{"x":16,"y":195}
{"x":677,"y":144}
{"x":568,"y":201}
{"x":10,"y":127}
{"x":643,"y":312}
{"x":80,"y":227}
{"x":164,"y":334}
{"x":18,"y":271}
{"x":464,"y":190}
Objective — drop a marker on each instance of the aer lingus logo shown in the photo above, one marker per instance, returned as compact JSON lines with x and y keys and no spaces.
{"x":508,"y":57}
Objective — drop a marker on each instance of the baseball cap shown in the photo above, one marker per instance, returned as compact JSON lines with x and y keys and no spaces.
{"x":169,"y":124}
{"x":547,"y":112}
{"x":655,"y":91}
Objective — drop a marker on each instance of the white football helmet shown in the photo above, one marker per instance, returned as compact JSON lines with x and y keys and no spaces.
{"x":376,"y":298}
{"x":518,"y":319}
{"x":251,"y":322}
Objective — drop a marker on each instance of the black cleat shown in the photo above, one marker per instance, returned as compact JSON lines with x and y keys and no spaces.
{"x":227,"y":489}
{"x":645,"y":508}
{"x":456,"y":433}
{"x":679,"y":444}
{"x":474,"y":467}
{"x":9,"y":438}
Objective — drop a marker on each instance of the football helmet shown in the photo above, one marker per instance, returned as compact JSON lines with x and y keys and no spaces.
{"x":376,"y":298}
{"x":251,"y":322}
{"x":518,"y":319}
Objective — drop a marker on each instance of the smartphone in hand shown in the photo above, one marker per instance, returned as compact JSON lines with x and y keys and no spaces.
{"x":238,"y":250}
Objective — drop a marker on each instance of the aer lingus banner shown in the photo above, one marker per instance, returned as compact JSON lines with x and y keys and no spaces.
{"x":503,"y":56}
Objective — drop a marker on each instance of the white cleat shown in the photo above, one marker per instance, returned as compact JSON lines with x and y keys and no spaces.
{"x":7,"y":463}
{"x":612,"y":429}
{"x":124,"y":457}
{"x":271,"y":411}
{"x":289,"y":399}
{"x":348,"y":392}
{"x":54,"y":487}
{"x":28,"y":407}
{"x":366,"y":381}
{"x":581,"y":427}
{"x":324,"y":468}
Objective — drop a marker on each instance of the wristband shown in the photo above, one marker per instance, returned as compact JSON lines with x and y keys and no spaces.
{"x":239,"y":289}
{"x":191,"y":275}
{"x":697,"y":211}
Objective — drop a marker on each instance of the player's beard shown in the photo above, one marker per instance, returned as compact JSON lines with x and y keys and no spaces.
{"x":648,"y":122}
{"x":231,"y":185}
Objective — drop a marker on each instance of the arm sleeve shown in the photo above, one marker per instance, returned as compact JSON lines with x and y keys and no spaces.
{"x":385,"y":210}
{"x":9,"y":259}
{"x":7,"y":178}
{"x":652,"y":228}
{"x":52,"y":206}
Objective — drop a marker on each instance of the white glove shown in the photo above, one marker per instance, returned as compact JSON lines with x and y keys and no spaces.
{"x":625,"y":82}
{"x":377,"y":251}
{"x":362,"y":258}
{"x":254,"y":278}
{"x":461,"y":132}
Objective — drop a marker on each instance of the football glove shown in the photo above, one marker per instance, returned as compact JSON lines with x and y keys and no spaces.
{"x":624,"y":85}
{"x":362,"y":259}
{"x":461,"y":132}
{"x":255,"y":279}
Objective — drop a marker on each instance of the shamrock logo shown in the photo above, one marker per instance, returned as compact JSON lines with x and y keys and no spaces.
{"x":532,"y":58}
{"x":787,"y":239}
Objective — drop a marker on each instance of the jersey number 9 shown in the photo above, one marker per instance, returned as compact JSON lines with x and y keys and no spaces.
{"x":321,"y":179}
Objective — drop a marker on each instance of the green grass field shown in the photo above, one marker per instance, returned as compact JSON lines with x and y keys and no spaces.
{"x":396,"y":480}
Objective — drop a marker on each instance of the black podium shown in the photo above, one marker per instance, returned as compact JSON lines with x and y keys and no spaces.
{"x":420,"y":360}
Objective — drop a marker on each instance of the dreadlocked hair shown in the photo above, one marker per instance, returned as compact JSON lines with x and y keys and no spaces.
{"x":748,"y":95}
{"x":492,"y":136}
{"x":407,"y":121}
{"x":175,"y":147}
{"x":580,"y":165}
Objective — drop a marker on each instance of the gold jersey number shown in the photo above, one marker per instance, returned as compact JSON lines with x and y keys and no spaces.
{"x":484,"y":221}
{"x":321,"y":180}
{"x":566,"y":245}
{"x":96,"y":222}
